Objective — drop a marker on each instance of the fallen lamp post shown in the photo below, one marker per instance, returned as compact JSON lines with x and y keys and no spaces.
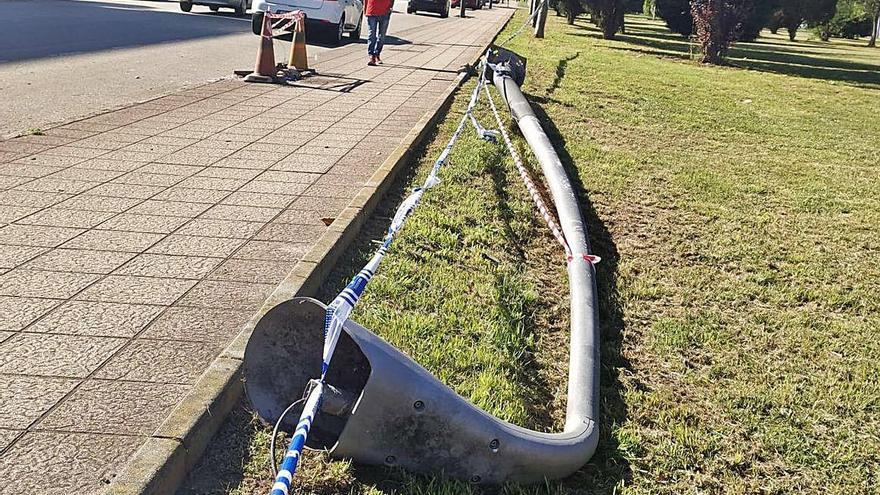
{"x":381,"y":408}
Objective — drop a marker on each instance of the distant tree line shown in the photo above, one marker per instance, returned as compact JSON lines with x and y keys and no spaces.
{"x":841,"y":18}
{"x":718,"y":23}
{"x":608,"y":15}
{"x":853,"y":18}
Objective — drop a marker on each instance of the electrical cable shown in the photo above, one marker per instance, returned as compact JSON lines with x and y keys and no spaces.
{"x":275,"y":434}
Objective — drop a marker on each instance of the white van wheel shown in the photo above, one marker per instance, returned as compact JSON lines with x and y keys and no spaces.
{"x":340,"y":29}
{"x":356,"y":34}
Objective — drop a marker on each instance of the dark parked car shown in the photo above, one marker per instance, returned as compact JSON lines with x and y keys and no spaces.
{"x":469,"y":4}
{"x":437,"y":6}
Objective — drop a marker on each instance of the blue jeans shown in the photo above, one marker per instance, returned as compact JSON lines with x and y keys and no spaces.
{"x":378,"y":26}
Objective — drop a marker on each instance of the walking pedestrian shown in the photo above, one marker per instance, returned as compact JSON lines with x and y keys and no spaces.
{"x":378,"y":14}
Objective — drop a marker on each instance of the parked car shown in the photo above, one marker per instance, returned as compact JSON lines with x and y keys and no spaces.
{"x":240,"y":6}
{"x":333,"y":18}
{"x":437,"y":6}
{"x":468,"y":4}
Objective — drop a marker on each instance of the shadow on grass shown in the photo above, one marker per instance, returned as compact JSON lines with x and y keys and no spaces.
{"x":656,"y":53}
{"x":527,"y":370}
{"x":800,"y":59}
{"x":560,"y":72}
{"x":609,"y":467}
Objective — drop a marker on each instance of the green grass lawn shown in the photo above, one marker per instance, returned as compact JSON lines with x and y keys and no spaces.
{"x":737,"y":212}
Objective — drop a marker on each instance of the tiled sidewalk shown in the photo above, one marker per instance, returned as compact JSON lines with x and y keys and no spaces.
{"x":135,"y":244}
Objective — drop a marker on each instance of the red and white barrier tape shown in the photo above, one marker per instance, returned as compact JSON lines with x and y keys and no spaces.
{"x":291,"y":17}
{"x":533,"y":191}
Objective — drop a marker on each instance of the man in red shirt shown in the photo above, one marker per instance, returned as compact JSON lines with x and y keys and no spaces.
{"x":378,"y":14}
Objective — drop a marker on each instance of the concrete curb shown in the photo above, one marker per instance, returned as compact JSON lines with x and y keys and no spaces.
{"x":161,"y":464}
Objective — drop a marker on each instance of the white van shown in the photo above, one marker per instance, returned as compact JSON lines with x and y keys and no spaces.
{"x":331,"y":18}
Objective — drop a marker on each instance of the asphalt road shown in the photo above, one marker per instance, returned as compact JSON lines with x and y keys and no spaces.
{"x":62,"y":59}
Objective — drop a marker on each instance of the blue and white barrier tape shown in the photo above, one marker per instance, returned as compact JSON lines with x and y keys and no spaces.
{"x":339,"y":310}
{"x":291,"y":458}
{"x":489,"y":135}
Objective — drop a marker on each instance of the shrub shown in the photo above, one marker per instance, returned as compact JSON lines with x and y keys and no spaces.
{"x":795,"y":13}
{"x":756,"y":15}
{"x":570,"y":9}
{"x":635,"y":6}
{"x":759,"y":17}
{"x":608,"y":15}
{"x":717,"y":24}
{"x":677,"y":14}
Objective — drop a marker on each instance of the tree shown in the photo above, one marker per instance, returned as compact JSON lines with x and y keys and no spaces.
{"x":649,"y":7}
{"x":758,"y":18}
{"x":872,"y":7}
{"x":677,"y":14}
{"x":852,"y":20}
{"x":776,"y":21}
{"x":609,"y":14}
{"x":794,"y":13}
{"x":571,"y":9}
{"x":717,"y":24}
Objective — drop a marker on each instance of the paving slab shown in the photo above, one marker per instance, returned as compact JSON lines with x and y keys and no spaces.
{"x":135,"y":245}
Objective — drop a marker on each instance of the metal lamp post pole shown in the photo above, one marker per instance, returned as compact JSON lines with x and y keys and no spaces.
{"x":541,"y":19}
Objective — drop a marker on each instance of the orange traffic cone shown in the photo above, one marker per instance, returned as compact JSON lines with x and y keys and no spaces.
{"x":264,"y":70}
{"x":299,"y":60}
